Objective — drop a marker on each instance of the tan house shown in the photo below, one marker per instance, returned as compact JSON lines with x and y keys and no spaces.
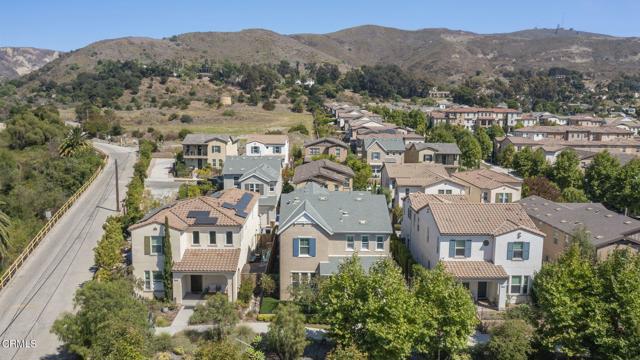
{"x":212,"y":237}
{"x":199,"y":150}
{"x":559,"y":221}
{"x":326,"y":173}
{"x":319,"y":229}
{"x":433,"y":153}
{"x":326,"y":146}
{"x":378,"y":151}
{"x":488,"y":186}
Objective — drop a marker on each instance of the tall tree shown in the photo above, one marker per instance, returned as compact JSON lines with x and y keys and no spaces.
{"x":486,"y":145}
{"x":505,"y":156}
{"x":511,"y":340}
{"x":600,"y":177}
{"x":5,"y":223}
{"x":447,"y":315}
{"x":167,"y":270}
{"x":76,"y":140}
{"x":565,"y":171}
{"x":527,"y":162}
{"x":471,"y":151}
{"x":627,"y":185}
{"x":541,"y":186}
{"x":574,"y":195}
{"x":286,"y":336}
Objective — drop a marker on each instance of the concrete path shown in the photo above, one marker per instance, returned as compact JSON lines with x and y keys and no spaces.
{"x":45,"y":285}
{"x":161,"y":182}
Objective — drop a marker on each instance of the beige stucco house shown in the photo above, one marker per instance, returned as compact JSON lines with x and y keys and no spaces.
{"x":488,"y":186}
{"x":433,"y":153}
{"x":319,"y":229}
{"x":199,"y":150}
{"x":326,"y":173}
{"x":326,"y":146}
{"x":212,"y":238}
{"x":378,"y":151}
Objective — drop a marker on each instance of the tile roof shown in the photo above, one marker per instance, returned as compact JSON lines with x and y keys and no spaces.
{"x":481,"y":219}
{"x":208,"y":260}
{"x":178,"y":212}
{"x":572,"y":128}
{"x":487,"y":179}
{"x":268,"y":138}
{"x":322,"y":169}
{"x":475,"y":270}
{"x":419,"y":200}
{"x":442,"y":148}
{"x":527,"y":141}
{"x":606,"y":226}
{"x":387,"y":144}
{"x":414,"y":170}
{"x":201,"y":139}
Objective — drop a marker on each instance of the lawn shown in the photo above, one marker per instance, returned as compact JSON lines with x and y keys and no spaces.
{"x":268,"y":305}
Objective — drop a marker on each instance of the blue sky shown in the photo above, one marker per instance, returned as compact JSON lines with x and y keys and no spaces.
{"x":71,"y":24}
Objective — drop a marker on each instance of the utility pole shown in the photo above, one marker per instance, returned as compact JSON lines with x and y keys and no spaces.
{"x":117,"y":189}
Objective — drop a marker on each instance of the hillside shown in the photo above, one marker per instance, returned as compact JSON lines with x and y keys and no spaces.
{"x":18,"y":61}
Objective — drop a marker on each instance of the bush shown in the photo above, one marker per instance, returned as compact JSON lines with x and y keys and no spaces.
{"x":269,"y":106}
{"x":183,"y":133}
{"x":186,"y":119}
{"x":162,"y":342}
{"x":266,"y":317}
{"x":162,"y":322}
{"x":173,"y":116}
{"x":299,"y":128}
{"x":245,"y":293}
{"x":229,"y":113}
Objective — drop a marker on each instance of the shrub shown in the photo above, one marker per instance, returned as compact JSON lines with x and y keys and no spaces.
{"x":186,"y":119}
{"x":162,"y":322}
{"x":265,"y":317}
{"x":162,"y":342}
{"x":245,"y":293}
{"x":173,"y":116}
{"x":299,"y":128}
{"x":229,"y":113}
{"x":269,"y":106}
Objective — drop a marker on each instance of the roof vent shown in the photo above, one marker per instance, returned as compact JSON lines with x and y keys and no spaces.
{"x":548,"y":214}
{"x":627,"y":222}
{"x":577,"y":223}
{"x":358,"y":198}
{"x":546,"y":204}
{"x":599,"y":237}
{"x":557,"y":209}
{"x":609,"y":215}
{"x":323,"y":198}
{"x":563,"y":221}
{"x":362,"y":222}
{"x":589,"y":208}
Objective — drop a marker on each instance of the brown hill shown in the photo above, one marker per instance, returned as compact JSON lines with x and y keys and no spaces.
{"x":437,"y":53}
{"x":18,"y":61}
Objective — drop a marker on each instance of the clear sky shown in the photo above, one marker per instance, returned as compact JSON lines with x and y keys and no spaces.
{"x":71,"y":24}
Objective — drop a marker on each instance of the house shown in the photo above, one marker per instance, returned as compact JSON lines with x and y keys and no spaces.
{"x":268,"y":145}
{"x":212,"y":237}
{"x":620,"y":145}
{"x":326,"y":173}
{"x":404,"y":179}
{"x":319,"y":229}
{"x":198,"y":150}
{"x":377,"y":151}
{"x":407,"y":137}
{"x":433,"y":153}
{"x":472,"y":117}
{"x":488,"y":186}
{"x":584,"y":120}
{"x":608,"y":230}
{"x":495,"y":250}
{"x":326,"y":146}
{"x":571,"y":133}
{"x":258,"y":174}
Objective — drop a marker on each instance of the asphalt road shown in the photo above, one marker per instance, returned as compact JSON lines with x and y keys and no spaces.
{"x":45,"y":285}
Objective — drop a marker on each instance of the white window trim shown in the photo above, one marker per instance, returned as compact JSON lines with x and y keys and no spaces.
{"x":151,"y":252}
{"x":353,"y":248}
{"x":368,"y":242}
{"x":455,"y":249}
{"x":523,"y":279}
{"x":226,"y":241}
{"x":300,"y":254}
{"x":379,"y":242}
{"x":306,"y":273}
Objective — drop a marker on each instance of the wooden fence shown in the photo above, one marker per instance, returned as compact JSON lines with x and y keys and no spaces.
{"x":19,"y":261}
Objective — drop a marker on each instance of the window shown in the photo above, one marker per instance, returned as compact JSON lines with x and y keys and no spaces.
{"x":147,"y":280}
{"x":337,"y":152}
{"x":314,"y":151}
{"x":299,"y":278}
{"x":503,"y":198}
{"x":216,"y":149}
{"x":212,"y":237}
{"x":350,"y":242}
{"x":449,"y":192}
{"x":253,"y":187}
{"x":518,"y":250}
{"x":465,"y":285}
{"x":304,"y":247}
{"x":277,"y":150}
{"x":364,"y":239}
{"x":157,"y":280}
{"x":375,"y":156}
{"x":519,"y":285}
{"x":255,"y":149}
{"x":272,"y":187}
{"x":379,"y":242}
{"x":406,"y":192}
{"x":460,"y":248}
{"x":428,"y":158}
{"x":229,"y":240}
{"x":196,"y":238}
{"x":156,"y":245}
{"x":236,"y":182}
{"x":441,"y":191}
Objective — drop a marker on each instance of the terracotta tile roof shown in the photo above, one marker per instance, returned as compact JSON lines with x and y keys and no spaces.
{"x":208,"y":260}
{"x":572,"y":128}
{"x":420,"y":200}
{"x":472,"y":270}
{"x":481,"y":219}
{"x":414,"y":170}
{"x":177,"y":213}
{"x":268,"y":139}
{"x":487,"y":179}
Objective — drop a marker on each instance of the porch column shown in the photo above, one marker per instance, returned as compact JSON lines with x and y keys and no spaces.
{"x":502,"y":294}
{"x":177,"y":288}
{"x":231,"y":286}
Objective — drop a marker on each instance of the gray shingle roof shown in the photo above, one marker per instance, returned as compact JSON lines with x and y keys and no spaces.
{"x":331,"y":267}
{"x":331,"y":140}
{"x":337,"y":212}
{"x":321,"y":169}
{"x":440,"y":148}
{"x":266,"y":167}
{"x":201,"y":139}
{"x":388,"y":144}
{"x":605,"y":226}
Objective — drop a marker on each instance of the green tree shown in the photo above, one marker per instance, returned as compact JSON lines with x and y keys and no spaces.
{"x":486,"y":145}
{"x":374,"y":311}
{"x":511,"y":340}
{"x":441,"y":134}
{"x":167,"y":269}
{"x":219,"y":350}
{"x":362,"y":172}
{"x":495,"y":131}
{"x":350,"y":352}
{"x":505,"y":156}
{"x":5,"y":223}
{"x":286,"y":336}
{"x":565,"y":171}
{"x":219,"y":312}
{"x":471,"y":152}
{"x":573,"y":195}
{"x":268,"y":284}
{"x":626,"y":191}
{"x":600,"y":177}
{"x":108,"y":253}
{"x":117,"y":340}
{"x":75,"y":141}
{"x":541,"y":186}
{"x":447,"y":315}
{"x":527,"y":162}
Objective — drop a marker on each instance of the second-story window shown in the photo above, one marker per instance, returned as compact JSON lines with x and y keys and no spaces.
{"x":337,"y":152}
{"x":365,"y":242}
{"x":428,"y":157}
{"x":156,"y":245}
{"x":518,"y":250}
{"x":196,"y":238}
{"x":272,"y":187}
{"x":314,"y":151}
{"x":216,"y":149}
{"x":375,"y":156}
{"x":255,"y":149}
{"x":304,"y":247}
{"x":212,"y":237}
{"x":460,"y":248}
{"x":277,"y":150}
{"x":229,"y":240}
{"x":350,"y":242}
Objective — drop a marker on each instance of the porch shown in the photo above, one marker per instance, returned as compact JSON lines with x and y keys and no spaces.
{"x":189,"y":289}
{"x":487,"y":283}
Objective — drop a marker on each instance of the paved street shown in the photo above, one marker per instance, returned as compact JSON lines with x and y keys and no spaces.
{"x":161,"y":182}
{"x":45,"y":285}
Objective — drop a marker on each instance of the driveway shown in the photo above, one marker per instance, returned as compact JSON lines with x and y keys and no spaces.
{"x":45,"y":285}
{"x":160,"y":181}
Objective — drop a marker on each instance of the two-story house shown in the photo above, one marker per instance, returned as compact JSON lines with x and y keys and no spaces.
{"x":488,"y":186}
{"x":433,"y":153}
{"x":326,"y":173}
{"x":198,"y":150}
{"x":258,"y":174}
{"x":495,"y":250}
{"x":211,"y":239}
{"x":378,"y":151}
{"x":268,"y":145}
{"x":326,"y":146}
{"x":319,"y":229}
{"x":404,"y":179}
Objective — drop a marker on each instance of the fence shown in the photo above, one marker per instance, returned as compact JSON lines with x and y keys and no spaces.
{"x":19,"y":261}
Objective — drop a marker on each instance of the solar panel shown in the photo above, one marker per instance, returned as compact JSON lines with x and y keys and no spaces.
{"x":206,"y":221}
{"x":227,"y":205}
{"x":244,"y":201}
{"x":241,"y":213}
{"x":194,"y":214}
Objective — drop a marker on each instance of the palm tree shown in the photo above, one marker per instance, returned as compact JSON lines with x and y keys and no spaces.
{"x":75,"y":141}
{"x":5,"y":222}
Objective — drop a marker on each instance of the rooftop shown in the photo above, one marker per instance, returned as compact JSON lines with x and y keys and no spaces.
{"x":202,"y":139}
{"x":606,"y":226}
{"x":441,"y":148}
{"x":387,"y":144}
{"x":475,"y":270}
{"x":420,"y":200}
{"x":487,"y":179}
{"x":277,"y":139}
{"x":319,"y":169}
{"x":266,"y":167}
{"x":329,"y":140}
{"x":208,"y":260}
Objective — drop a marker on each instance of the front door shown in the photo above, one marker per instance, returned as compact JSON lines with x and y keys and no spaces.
{"x":482,"y":290}
{"x":196,"y":283}
{"x":199,"y":163}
